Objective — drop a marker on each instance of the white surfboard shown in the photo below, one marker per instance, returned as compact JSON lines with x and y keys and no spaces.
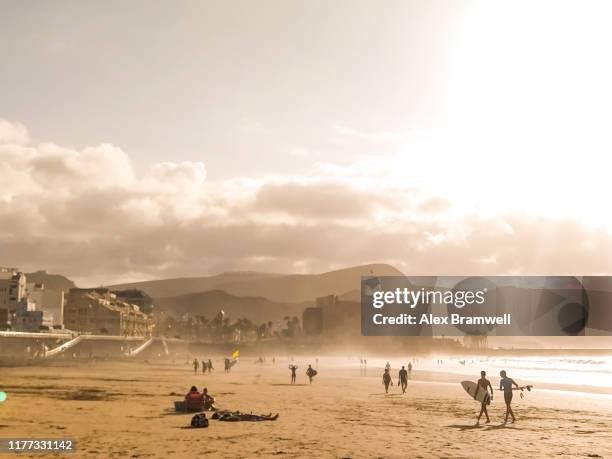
{"x":470,"y":387}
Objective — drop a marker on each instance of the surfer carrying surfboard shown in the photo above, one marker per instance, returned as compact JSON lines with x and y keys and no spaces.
{"x":506,"y":384}
{"x":311,"y":373}
{"x":483,"y":385}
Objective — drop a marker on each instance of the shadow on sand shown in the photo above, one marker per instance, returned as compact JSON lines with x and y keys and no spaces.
{"x":278,"y":384}
{"x":464,"y":427}
{"x":502,"y":426}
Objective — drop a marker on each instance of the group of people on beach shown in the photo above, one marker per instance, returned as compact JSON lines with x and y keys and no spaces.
{"x":506,"y":384}
{"x":205,"y":364}
{"x":310,"y":372}
{"x":199,"y":401}
{"x":402,"y":380}
{"x":196,"y":401}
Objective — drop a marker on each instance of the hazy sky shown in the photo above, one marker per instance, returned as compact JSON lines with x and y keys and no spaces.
{"x":153,"y":139}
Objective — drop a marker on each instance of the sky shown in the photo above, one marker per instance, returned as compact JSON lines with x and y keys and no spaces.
{"x":143,"y":140}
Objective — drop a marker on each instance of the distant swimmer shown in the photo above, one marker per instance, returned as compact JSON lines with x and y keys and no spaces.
{"x":311,"y":373}
{"x":484,"y":385}
{"x":196,"y":365}
{"x":506,"y":384}
{"x":387,"y":380}
{"x":293,"y":369}
{"x":403,"y":379}
{"x":409,"y":369}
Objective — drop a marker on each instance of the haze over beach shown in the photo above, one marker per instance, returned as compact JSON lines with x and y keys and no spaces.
{"x":195,"y":183}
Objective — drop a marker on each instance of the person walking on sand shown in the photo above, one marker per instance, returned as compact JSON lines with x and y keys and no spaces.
{"x":506,"y":384}
{"x":387,"y":380}
{"x":196,"y":365}
{"x":483,"y":385}
{"x":210,"y":367}
{"x":410,"y":370}
{"x":403,"y":379}
{"x":293,"y":369}
{"x":388,"y":366}
{"x":311,"y":373}
{"x":203,"y":366}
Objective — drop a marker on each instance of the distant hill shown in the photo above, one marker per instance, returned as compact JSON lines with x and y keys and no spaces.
{"x":184,"y":285}
{"x":51,"y":281}
{"x":209,"y":303}
{"x":297,"y":288}
{"x":293,"y":288}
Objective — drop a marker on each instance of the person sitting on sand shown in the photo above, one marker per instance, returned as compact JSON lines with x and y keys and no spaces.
{"x":209,"y":400}
{"x":506,"y":384}
{"x":311,"y":373}
{"x":387,"y":380}
{"x":293,"y":369}
{"x":483,"y":385}
{"x":403,"y":379}
{"x":194,"y":400}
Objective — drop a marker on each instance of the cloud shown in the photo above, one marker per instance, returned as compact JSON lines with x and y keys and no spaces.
{"x":13,"y":132}
{"x":88,"y":214}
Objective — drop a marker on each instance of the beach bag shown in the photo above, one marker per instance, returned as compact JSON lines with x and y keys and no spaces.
{"x":199,"y":420}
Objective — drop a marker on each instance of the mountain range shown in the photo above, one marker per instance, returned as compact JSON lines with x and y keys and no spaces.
{"x":278,"y":288}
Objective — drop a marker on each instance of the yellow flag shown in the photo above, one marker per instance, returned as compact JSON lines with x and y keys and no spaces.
{"x":236,"y":354}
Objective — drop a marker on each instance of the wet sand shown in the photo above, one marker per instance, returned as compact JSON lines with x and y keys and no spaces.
{"x":125,"y":409}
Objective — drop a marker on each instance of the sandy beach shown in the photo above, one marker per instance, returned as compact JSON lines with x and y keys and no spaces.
{"x":125,"y":409}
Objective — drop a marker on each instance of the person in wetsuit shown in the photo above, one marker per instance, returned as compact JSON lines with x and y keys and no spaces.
{"x":293,"y":369}
{"x":387,"y":380}
{"x":311,"y":373}
{"x":403,"y":379}
{"x":506,"y":384}
{"x":196,"y":365}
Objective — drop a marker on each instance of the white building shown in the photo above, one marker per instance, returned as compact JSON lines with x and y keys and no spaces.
{"x":12,"y":288}
{"x":48,"y":300}
{"x":28,"y":307}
